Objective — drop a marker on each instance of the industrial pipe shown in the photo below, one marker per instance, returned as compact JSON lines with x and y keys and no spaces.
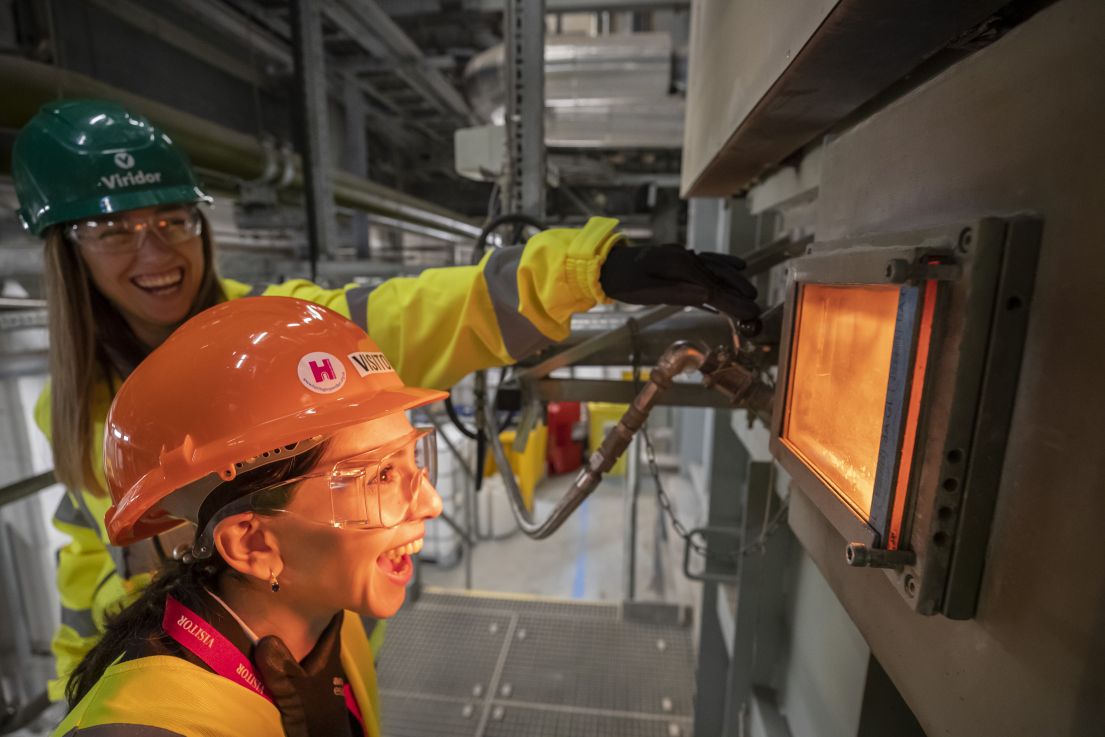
{"x":680,"y":357}
{"x":28,"y":85}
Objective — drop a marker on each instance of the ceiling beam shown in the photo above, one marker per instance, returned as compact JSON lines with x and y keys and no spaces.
{"x":171,"y":34}
{"x":220,"y":17}
{"x":373,"y":29}
{"x":400,"y":8}
{"x":272,"y":41}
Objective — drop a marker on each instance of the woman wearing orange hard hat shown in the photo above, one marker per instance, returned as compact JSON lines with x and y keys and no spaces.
{"x":129,"y":255}
{"x":276,"y":427}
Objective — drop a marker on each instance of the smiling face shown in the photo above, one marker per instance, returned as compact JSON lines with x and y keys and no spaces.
{"x":363,"y":570}
{"x":154,"y":285}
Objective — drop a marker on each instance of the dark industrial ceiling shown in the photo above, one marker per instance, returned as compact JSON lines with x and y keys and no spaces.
{"x":231,"y":61}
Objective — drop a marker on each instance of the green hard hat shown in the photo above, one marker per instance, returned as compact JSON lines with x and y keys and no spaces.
{"x":84,"y":158}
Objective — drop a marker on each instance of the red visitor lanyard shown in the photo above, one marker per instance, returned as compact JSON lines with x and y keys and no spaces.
{"x":205,"y":642}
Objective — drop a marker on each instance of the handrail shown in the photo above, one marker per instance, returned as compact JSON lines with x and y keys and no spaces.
{"x":24,"y":714}
{"x":23,"y":488}
{"x":18,"y":715}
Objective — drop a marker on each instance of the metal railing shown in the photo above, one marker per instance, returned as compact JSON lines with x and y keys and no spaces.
{"x":23,"y":488}
{"x":19,"y":713}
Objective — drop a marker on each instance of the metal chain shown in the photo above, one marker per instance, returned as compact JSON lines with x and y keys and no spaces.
{"x":669,"y":512}
{"x":662,"y":495}
{"x":654,"y":469}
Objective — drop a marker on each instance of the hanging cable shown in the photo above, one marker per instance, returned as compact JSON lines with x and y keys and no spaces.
{"x":517,"y":219}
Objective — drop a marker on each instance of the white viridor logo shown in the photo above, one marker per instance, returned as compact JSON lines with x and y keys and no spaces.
{"x":130,"y":179}
{"x":125,"y":161}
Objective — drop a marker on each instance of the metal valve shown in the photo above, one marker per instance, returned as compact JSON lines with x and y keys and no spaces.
{"x":859,"y":555}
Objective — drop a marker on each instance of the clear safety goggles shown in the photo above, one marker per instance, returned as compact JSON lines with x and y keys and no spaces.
{"x":377,"y":489}
{"x":119,"y":234}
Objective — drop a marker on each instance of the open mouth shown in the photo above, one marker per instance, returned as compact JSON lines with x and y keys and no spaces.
{"x":396,"y":563}
{"x":163,"y":283}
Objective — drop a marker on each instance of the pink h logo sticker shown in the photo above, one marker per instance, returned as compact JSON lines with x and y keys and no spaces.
{"x":324,"y":371}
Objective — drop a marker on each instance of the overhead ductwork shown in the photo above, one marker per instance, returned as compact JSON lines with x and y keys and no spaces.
{"x":28,"y":85}
{"x":600,"y":92}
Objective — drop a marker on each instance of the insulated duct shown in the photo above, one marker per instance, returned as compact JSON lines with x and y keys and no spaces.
{"x":28,"y":85}
{"x":600,"y":92}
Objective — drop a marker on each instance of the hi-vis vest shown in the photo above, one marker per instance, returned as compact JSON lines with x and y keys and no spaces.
{"x":165,"y":696}
{"x":435,"y":329}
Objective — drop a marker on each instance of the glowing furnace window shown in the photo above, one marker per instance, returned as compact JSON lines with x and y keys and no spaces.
{"x":836,"y":400}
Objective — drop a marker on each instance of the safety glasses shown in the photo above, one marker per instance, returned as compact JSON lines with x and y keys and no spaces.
{"x":118,"y":234}
{"x":377,"y":489}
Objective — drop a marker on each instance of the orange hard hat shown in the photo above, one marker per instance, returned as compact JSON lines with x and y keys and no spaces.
{"x":237,"y":386}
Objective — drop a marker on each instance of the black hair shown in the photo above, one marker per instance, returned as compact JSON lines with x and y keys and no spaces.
{"x":141,"y":620}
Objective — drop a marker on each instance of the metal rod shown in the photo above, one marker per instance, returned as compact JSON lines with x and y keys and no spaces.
{"x":775,"y":253}
{"x":470,"y":522}
{"x":310,"y":75}
{"x":468,"y":539}
{"x":356,"y":153}
{"x":450,"y":444}
{"x":17,"y":490}
{"x":21,"y":303}
{"x":610,"y":390}
{"x":632,"y":487}
{"x":597,"y":343}
{"x":448,"y":519}
{"x":524,"y":36}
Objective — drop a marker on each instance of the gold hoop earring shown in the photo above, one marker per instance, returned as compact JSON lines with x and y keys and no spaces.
{"x":273,"y":582}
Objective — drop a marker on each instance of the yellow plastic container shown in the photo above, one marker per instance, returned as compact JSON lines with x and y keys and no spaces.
{"x":528,"y":467}
{"x":602,"y":416}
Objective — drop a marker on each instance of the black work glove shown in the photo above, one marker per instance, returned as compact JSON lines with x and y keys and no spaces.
{"x":310,"y":695}
{"x":673,"y":275}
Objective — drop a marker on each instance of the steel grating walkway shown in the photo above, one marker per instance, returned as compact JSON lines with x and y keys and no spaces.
{"x":460,"y":665}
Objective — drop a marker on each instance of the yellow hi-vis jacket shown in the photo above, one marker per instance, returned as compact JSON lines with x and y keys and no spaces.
{"x":165,"y":696}
{"x":435,"y":329}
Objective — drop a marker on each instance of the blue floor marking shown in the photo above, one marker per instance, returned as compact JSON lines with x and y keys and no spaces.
{"x":581,"y":556}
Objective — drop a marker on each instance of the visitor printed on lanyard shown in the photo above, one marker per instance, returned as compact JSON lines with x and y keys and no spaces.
{"x":197,"y":636}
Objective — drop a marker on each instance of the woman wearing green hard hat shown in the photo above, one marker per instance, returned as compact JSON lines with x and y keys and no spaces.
{"x":130,"y":256}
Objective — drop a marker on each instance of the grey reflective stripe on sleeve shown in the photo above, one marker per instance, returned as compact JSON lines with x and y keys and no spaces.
{"x":121,"y":730}
{"x":80,"y":620}
{"x":79,"y":495}
{"x":81,"y":516}
{"x":520,"y":336}
{"x":119,"y":558}
{"x":118,"y":555}
{"x":357,"y":299}
{"x":256,"y":290}
{"x":72,"y":514}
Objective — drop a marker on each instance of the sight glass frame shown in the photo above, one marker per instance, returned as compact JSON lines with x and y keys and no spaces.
{"x":977,"y":278}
